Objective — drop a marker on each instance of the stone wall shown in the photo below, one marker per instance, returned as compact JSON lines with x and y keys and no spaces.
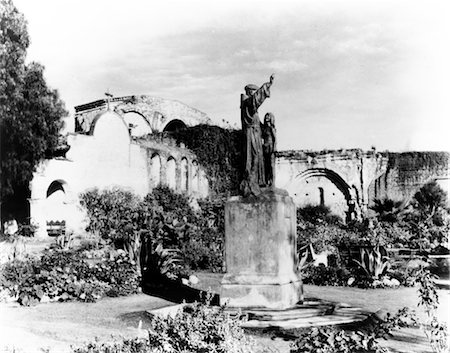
{"x":337,"y":179}
{"x":408,"y":172}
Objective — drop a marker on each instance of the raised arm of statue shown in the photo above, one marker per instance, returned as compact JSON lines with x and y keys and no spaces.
{"x":262,"y":93}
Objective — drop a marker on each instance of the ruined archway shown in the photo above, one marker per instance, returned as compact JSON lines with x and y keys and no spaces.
{"x":320,"y":186}
{"x":171,"y":167}
{"x":155,"y":170}
{"x":184,"y":176}
{"x":174,"y":125}
{"x":137,"y":123}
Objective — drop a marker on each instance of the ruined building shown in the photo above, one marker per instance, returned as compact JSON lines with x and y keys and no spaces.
{"x":117,"y":142}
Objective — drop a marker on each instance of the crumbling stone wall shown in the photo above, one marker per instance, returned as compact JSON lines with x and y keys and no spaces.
{"x":409,"y":171}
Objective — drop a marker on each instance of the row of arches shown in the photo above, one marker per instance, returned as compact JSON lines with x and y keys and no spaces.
{"x":183,"y":176}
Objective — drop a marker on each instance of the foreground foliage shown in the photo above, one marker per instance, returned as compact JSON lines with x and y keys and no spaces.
{"x":366,"y":340}
{"x":196,"y":328}
{"x":69,"y":275}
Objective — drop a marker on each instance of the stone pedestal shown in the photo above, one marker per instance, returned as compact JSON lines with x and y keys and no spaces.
{"x":260,"y":252}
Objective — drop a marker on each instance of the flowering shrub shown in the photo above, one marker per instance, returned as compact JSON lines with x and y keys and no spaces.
{"x":63,"y":275}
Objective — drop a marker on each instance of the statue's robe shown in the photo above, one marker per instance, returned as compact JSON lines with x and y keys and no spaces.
{"x":253,"y":176}
{"x":269,"y":143}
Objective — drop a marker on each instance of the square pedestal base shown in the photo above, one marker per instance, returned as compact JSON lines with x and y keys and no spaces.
{"x":260,"y":252}
{"x":272,"y":296}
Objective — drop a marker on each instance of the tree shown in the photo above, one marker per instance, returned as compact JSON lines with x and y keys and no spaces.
{"x":430,"y":200}
{"x":30,"y":112}
{"x":389,"y":210}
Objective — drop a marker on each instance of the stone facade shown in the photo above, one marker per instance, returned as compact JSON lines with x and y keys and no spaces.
{"x":338,"y":179}
{"x":108,"y":156}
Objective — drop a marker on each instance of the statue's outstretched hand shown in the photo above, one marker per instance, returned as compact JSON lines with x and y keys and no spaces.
{"x":272,"y":77}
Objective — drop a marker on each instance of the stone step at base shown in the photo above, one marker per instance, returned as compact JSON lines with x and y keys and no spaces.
{"x":324,"y":320}
{"x":294,"y":313}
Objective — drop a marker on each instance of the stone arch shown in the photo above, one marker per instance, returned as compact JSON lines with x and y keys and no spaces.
{"x":56,"y":201}
{"x":110,"y":126}
{"x":171,"y":173}
{"x":138,"y":124}
{"x":195,"y":176}
{"x":320,"y":185}
{"x":174,"y":125}
{"x":184,"y":180}
{"x":155,"y":169}
{"x":55,"y":186}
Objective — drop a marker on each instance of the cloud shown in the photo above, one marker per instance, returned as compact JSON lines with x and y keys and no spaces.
{"x":279,"y":65}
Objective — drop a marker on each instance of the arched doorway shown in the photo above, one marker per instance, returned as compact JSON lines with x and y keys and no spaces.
{"x":56,"y":209}
{"x":324,"y":187}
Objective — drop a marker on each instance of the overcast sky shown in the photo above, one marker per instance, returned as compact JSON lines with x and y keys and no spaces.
{"x":349,"y":74}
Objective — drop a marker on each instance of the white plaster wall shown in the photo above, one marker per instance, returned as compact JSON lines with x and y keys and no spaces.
{"x":104,"y":159}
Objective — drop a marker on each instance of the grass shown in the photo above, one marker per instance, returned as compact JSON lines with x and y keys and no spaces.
{"x":57,"y":326}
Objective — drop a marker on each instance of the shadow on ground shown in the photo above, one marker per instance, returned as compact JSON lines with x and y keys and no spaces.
{"x":177,"y":292}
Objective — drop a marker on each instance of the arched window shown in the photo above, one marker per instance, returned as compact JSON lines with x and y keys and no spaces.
{"x":55,"y":206}
{"x":195,"y":178}
{"x":155,"y":170}
{"x":55,"y":186}
{"x":171,"y":173}
{"x":184,"y":174}
{"x":322,"y":197}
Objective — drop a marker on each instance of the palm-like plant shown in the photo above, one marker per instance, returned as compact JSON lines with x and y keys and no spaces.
{"x":159,"y":262}
{"x":373,"y":263}
{"x":389,"y":210}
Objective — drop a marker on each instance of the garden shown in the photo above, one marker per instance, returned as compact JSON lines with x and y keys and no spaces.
{"x":161,"y":241}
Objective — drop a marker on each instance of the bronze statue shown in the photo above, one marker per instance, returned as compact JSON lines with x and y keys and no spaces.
{"x":253,"y":176}
{"x":269,"y":148}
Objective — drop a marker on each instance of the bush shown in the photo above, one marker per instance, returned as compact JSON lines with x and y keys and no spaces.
{"x":325,"y":276}
{"x":331,"y":340}
{"x":114,"y":214}
{"x":161,"y":218}
{"x":196,"y":328}
{"x":317,"y":215}
{"x":63,"y":275}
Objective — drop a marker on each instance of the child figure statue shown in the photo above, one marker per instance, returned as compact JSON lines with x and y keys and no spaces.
{"x":269,"y":147}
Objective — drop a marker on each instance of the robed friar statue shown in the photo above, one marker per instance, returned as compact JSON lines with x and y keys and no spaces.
{"x":254,"y":176}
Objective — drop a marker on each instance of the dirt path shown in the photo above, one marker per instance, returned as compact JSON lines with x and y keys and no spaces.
{"x":58,"y":325}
